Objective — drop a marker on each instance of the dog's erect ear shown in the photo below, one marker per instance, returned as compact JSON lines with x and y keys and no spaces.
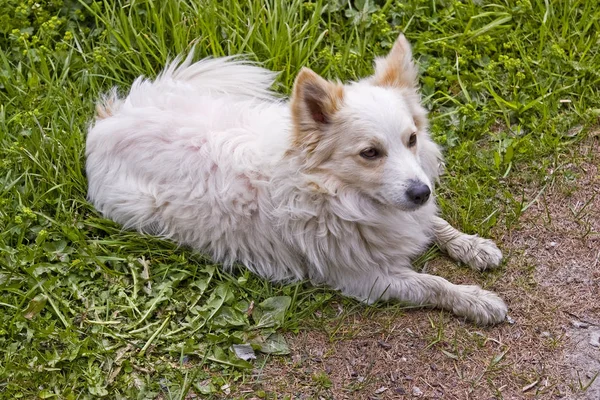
{"x":397,"y":68}
{"x":314,"y":101}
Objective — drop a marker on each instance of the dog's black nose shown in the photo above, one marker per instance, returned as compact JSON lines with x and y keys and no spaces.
{"x":418,"y":192}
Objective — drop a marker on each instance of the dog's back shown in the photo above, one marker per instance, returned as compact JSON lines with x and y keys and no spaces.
{"x":188,"y":156}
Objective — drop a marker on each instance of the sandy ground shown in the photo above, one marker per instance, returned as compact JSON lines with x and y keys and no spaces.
{"x":561,"y":232}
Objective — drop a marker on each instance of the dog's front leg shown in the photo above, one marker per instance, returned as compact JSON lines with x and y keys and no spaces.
{"x":473,"y":250}
{"x":405,"y":284}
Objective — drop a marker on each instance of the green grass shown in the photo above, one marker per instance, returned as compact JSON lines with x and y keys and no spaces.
{"x":88,"y":310}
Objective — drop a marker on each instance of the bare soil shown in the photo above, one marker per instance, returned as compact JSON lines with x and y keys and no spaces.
{"x":551,"y":281}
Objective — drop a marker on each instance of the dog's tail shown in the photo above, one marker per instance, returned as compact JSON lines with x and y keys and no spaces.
{"x":225,"y":75}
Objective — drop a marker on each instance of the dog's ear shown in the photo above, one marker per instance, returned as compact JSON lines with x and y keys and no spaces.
{"x":397,"y":68}
{"x":314,"y":101}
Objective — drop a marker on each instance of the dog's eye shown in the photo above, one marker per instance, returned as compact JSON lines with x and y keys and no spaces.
{"x":412,"y":141}
{"x":370,"y":153}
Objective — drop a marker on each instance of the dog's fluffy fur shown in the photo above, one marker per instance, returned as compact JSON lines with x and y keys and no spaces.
{"x":315,"y":188}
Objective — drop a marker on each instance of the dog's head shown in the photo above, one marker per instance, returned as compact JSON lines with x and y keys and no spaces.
{"x":369,"y":135}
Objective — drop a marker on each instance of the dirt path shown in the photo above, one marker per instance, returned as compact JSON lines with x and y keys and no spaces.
{"x":551,"y":283}
{"x":561,"y":232}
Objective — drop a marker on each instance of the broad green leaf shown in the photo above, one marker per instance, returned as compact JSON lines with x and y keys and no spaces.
{"x":271,"y":312}
{"x":273,"y":344}
{"x":36,"y":305}
{"x":228,"y":358}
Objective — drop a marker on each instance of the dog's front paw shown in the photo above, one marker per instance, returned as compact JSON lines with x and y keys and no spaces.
{"x":483,"y":254}
{"x":480,"y":306}
{"x":475,"y":251}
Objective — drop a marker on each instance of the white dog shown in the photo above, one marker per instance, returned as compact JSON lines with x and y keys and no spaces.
{"x":333,"y":186}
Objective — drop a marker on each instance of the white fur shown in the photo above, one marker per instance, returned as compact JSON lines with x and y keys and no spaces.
{"x":204,"y":155}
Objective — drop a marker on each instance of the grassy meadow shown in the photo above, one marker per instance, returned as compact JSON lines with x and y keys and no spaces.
{"x":88,"y":310}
